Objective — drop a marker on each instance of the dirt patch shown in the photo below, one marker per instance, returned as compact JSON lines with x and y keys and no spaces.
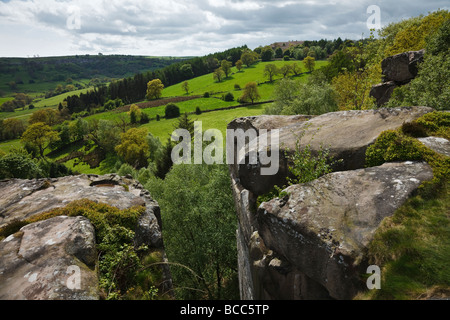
{"x":158,"y":103}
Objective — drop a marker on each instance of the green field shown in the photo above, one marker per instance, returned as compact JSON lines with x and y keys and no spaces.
{"x":39,"y":103}
{"x":214,"y":119}
{"x":206,"y":83}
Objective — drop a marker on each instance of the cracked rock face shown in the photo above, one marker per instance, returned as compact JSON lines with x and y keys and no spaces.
{"x":312,"y":244}
{"x":347,"y":134}
{"x":325,"y":226}
{"x":56,"y":258}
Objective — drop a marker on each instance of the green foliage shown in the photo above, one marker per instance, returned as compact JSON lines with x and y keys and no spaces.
{"x":267,"y":53}
{"x":164,"y":161}
{"x":185,"y":123}
{"x":228,"y":97}
{"x":394,"y":145}
{"x":19,"y":165}
{"x":154,"y":89}
{"x":107,"y":134}
{"x":172,"y":111}
{"x":270,"y":71}
{"x":40,"y":136}
{"x":294,"y":97}
{"x":391,"y":146}
{"x":439,"y":42}
{"x":251,"y":92}
{"x":306,"y":166}
{"x":310,"y":64}
{"x":199,"y":230}
{"x":411,"y":35}
{"x":120,"y":263}
{"x":125,"y":272}
{"x":436,"y":123}
{"x":412,"y":246}
{"x":133,"y":147}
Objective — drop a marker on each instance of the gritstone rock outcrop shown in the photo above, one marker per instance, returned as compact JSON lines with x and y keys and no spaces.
{"x":37,"y":263}
{"x":397,"y":70}
{"x":312,"y":243}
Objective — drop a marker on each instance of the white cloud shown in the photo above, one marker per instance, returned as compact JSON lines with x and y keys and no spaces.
{"x":184,"y":27}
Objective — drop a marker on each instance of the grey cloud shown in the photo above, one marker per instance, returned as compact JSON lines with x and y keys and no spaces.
{"x":116,"y":24}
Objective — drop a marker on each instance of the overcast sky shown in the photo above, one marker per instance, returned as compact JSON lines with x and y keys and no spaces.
{"x":183,"y":27}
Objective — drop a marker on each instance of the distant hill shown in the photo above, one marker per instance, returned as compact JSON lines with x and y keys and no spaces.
{"x":32,"y":74}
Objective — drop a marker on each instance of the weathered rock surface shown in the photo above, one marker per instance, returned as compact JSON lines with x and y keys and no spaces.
{"x":402,"y":67}
{"x":438,"y":144}
{"x":382,"y":92}
{"x":347,"y":134}
{"x":40,"y":249}
{"x":397,"y":70}
{"x":323,"y":227}
{"x":52,"y":259}
{"x":312,"y":244}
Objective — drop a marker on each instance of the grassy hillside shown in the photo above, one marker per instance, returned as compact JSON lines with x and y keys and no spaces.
{"x":255,"y":72}
{"x":37,"y":75}
{"x":210,"y":118}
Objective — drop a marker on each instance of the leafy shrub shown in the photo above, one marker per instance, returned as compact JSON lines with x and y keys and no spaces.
{"x":228,"y":97}
{"x":436,"y":123}
{"x":172,"y":111}
{"x":304,"y":166}
{"x":19,"y":165}
{"x":391,"y":146}
{"x":413,"y":129}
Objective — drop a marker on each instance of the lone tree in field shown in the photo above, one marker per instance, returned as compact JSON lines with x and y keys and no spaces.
{"x":185,"y":87}
{"x":309,"y":63}
{"x":135,"y":113}
{"x":286,"y":70}
{"x":218,"y":74}
{"x":134,"y":148}
{"x":249,"y":57}
{"x":296,"y":69}
{"x":250,"y":92}
{"x":270,"y":71}
{"x":226,"y":67}
{"x":154,"y":89}
{"x":40,"y":136}
{"x":239,"y":65}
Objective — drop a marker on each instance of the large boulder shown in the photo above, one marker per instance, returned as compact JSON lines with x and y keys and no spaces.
{"x":397,"y":70}
{"x":347,"y":134}
{"x":50,"y":260}
{"x":24,"y":199}
{"x":321,"y":230}
{"x":402,"y":67}
{"x":382,"y":92}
